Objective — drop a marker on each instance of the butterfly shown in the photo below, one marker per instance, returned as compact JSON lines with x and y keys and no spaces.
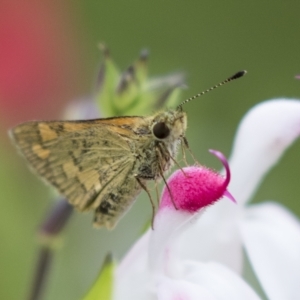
{"x":103,"y":164}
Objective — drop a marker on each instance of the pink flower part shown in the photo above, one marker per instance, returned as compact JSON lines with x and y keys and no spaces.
{"x":297,"y":76}
{"x":197,"y":187}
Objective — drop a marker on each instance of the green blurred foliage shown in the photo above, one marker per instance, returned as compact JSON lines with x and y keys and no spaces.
{"x":103,"y":287}
{"x":208,"y":40}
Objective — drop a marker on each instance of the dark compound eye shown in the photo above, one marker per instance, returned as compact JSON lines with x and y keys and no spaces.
{"x":161,"y":130}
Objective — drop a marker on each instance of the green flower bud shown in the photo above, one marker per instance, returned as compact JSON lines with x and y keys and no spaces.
{"x":131,"y":92}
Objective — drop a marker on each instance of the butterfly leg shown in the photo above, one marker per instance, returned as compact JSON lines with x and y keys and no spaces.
{"x":177,"y":164}
{"x":156,"y":191}
{"x":159,"y":152}
{"x":186,"y":144}
{"x":182,"y":146}
{"x":144,"y":187}
{"x":168,"y":188}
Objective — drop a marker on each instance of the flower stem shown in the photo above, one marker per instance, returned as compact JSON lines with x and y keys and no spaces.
{"x":49,"y":230}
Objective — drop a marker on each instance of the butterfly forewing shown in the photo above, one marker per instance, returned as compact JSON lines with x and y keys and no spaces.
{"x":87,"y":162}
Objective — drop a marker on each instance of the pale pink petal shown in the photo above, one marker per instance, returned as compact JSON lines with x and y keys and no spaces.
{"x":271,"y":237}
{"x":169,"y":225}
{"x":209,"y":281}
{"x":265,"y":132}
{"x":136,"y":257}
{"x":215,"y":236}
{"x":172,"y":289}
{"x":219,"y":280}
{"x":132,"y":279}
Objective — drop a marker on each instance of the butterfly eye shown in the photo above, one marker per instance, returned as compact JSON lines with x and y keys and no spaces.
{"x":161,"y":130}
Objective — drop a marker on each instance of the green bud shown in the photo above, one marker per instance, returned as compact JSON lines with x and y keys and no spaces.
{"x":132,"y":93}
{"x":103,"y":287}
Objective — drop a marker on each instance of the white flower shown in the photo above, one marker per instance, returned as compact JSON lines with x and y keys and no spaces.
{"x":153,"y":269}
{"x":205,"y":262}
{"x":269,"y":233}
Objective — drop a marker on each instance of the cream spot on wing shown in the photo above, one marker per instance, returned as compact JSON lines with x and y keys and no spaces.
{"x":70,"y":127}
{"x":70,"y":169}
{"x":98,"y":186}
{"x":90,"y":179}
{"x":46,"y":132}
{"x":40,"y":151}
{"x":77,"y":202}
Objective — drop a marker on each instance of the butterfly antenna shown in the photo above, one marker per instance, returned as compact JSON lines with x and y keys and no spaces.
{"x":235,"y":76}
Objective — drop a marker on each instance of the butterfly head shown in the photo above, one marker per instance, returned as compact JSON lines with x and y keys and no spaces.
{"x":169,"y":125}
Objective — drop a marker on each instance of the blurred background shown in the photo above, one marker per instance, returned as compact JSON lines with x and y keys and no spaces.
{"x":49,"y":58}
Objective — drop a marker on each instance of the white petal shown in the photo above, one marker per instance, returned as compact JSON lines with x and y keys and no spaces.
{"x":153,"y":255}
{"x":272,"y":241}
{"x":219,"y":280}
{"x":169,"y":225}
{"x":169,"y":289}
{"x":132,"y":279}
{"x":263,"y":135}
{"x":215,"y":236}
{"x":136,"y":257}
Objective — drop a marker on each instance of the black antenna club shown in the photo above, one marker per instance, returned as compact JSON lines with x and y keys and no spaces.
{"x":231,"y":78}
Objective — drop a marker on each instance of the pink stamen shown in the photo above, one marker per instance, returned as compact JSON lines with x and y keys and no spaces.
{"x":197,"y":187}
{"x":224,"y":161}
{"x":229,"y":196}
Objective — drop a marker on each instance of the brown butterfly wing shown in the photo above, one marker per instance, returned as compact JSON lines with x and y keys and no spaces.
{"x":88,"y":162}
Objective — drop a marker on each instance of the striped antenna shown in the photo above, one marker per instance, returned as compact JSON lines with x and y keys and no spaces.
{"x":235,"y":76}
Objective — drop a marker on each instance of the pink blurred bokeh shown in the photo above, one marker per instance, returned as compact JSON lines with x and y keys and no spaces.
{"x":37,"y":61}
